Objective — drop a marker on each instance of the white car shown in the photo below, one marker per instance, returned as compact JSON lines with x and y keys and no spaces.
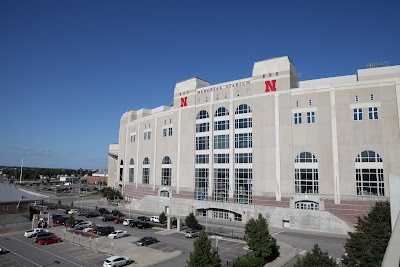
{"x":118,"y":234}
{"x":73,"y":211}
{"x":127,"y":222}
{"x":88,"y":230}
{"x":29,"y":233}
{"x":155,"y":219}
{"x":117,"y":261}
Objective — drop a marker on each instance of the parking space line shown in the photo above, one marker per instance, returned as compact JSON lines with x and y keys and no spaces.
{"x":21,"y":256}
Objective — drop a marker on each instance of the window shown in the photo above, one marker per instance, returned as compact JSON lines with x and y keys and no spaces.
{"x":369,"y":174}
{"x":202,"y":115}
{"x":243,"y":123}
{"x":148,"y":135}
{"x":202,"y":159}
{"x":146,"y":171}
{"x":243,"y":108}
{"x":310,"y":102}
{"x":133,"y":137}
{"x":202,"y":127}
{"x":297,"y":103}
{"x":166,"y":160}
{"x":5,"y":208}
{"x":306,"y":174}
{"x":221,"y":141}
{"x":356,"y":98}
{"x":243,"y":140}
{"x":170,"y":131}
{"x":201,"y":184}
{"x":371,"y":97}
{"x":373,"y":113}
{"x":307,"y":205}
{"x":243,"y":185}
{"x":311,"y":117}
{"x":164,"y":193}
{"x":221,"y":185}
{"x":221,"y":158}
{"x":244,"y":158}
{"x":131,"y":171}
{"x":358,"y":114}
{"x":202,"y":143}
{"x":297,"y":118}
{"x":164,"y":132}
{"x":220,"y":214}
{"x":145,"y":135}
{"x":166,"y":176}
{"x":221,"y":112}
{"x":221,"y":125}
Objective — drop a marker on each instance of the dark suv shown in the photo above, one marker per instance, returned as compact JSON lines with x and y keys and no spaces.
{"x":41,"y":235}
{"x":105,"y":230}
{"x":144,"y":225}
{"x":147,"y":240}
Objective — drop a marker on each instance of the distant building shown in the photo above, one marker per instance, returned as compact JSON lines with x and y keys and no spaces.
{"x":97,"y":177}
{"x":14,"y":200}
{"x":68,"y":178}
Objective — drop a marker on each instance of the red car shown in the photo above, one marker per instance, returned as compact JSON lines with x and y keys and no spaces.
{"x":61,"y":220}
{"x":117,"y":221}
{"x":49,"y":240}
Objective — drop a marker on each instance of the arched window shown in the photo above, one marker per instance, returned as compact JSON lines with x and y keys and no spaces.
{"x":221,"y":112}
{"x":121,"y":162}
{"x":307,"y":205}
{"x":166,"y":171}
{"x":131,"y":171}
{"x":166,"y":160}
{"x":369,"y":174}
{"x":306,"y":174}
{"x":243,"y":108}
{"x":146,"y":171}
{"x":202,"y":115}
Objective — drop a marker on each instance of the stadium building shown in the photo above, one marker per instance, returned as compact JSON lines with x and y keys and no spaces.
{"x":306,"y":154}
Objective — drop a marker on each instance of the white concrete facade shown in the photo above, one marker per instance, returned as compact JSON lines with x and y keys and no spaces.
{"x":266,"y":141}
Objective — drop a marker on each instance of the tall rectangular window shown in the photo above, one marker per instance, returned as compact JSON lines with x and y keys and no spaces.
{"x":202,"y":143}
{"x":166,"y":174}
{"x":131,"y":173}
{"x":243,"y":186}
{"x":311,"y":117}
{"x":145,"y":135}
{"x":358,"y":114}
{"x":221,"y":185}
{"x":243,"y":123}
{"x":221,"y":141}
{"x":373,"y":113}
{"x":297,"y":118}
{"x":164,"y":132}
{"x":170,"y":131}
{"x":243,"y":140}
{"x":146,"y":176}
{"x":221,"y":158}
{"x":201,"y":184}
{"x":202,"y":159}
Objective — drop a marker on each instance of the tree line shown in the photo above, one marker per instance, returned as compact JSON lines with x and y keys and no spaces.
{"x":33,"y":174}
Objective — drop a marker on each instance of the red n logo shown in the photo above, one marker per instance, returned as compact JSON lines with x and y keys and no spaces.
{"x":270,"y":86}
{"x":184,"y":101}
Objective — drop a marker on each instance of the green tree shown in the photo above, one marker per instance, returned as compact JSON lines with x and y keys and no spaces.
{"x":316,"y":257}
{"x":71,"y":221}
{"x":163,"y":217}
{"x":367,"y":245}
{"x":259,"y":239}
{"x":191,"y":221}
{"x":250,"y":262}
{"x":203,"y":255}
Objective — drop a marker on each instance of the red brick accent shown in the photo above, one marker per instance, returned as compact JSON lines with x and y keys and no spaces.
{"x":183,"y":194}
{"x":349,"y":210}
{"x":271,"y":201}
{"x":140,"y":192}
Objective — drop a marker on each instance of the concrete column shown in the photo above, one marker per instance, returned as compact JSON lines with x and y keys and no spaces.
{"x":168,"y":223}
{"x":35,"y":221}
{"x":178,"y":224}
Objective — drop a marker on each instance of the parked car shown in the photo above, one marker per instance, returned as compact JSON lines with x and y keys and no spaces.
{"x":103,"y":211}
{"x":66,"y":211}
{"x":60,"y":220}
{"x":134,"y":223}
{"x":144,"y":225}
{"x":73,"y":211}
{"x":106,"y":230}
{"x":155,"y":219}
{"x":30,"y":233}
{"x":56,"y":216}
{"x":147,"y":240}
{"x":49,"y":240}
{"x":88,"y":230}
{"x":190,"y":233}
{"x":76,"y":222}
{"x":92,"y":214}
{"x":83,"y":225}
{"x":118,"y":234}
{"x":116,"y":261}
{"x":143,"y":218}
{"x":108,"y":218}
{"x":41,"y":235}
{"x":117,"y":213}
{"x":126,"y":222}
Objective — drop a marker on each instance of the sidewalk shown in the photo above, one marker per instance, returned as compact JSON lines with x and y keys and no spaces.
{"x":286,"y":254}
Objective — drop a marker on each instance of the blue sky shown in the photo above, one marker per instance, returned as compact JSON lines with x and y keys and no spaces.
{"x":70,"y":69}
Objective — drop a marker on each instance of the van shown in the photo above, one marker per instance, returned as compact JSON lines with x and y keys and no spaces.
{"x":69,"y":183}
{"x":155,"y":219}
